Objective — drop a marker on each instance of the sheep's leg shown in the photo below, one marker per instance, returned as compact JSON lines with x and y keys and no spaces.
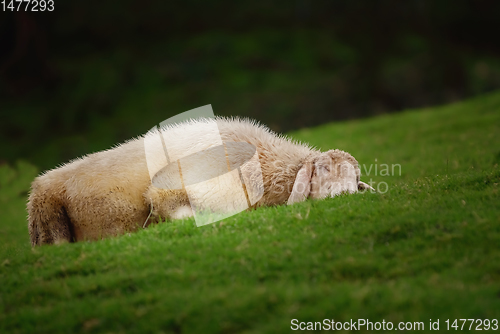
{"x":170,"y":204}
{"x":182,"y":212}
{"x":48,"y":220}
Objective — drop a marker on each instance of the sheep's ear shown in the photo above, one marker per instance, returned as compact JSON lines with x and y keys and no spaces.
{"x":364,"y":186}
{"x":302,"y":184}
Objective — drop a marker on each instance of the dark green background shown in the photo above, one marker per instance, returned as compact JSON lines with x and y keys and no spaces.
{"x":93,"y":73}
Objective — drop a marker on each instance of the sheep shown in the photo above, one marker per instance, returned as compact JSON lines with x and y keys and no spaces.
{"x":110,"y":193}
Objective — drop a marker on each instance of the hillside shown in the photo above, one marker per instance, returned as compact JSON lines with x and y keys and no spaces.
{"x":427,"y":246}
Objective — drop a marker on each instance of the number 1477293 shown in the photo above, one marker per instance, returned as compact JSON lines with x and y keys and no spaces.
{"x":27,"y":5}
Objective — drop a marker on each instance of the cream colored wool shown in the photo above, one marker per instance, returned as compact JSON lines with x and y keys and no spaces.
{"x":110,"y":193}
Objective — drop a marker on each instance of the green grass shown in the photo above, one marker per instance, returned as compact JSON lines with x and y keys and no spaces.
{"x":428,"y":248}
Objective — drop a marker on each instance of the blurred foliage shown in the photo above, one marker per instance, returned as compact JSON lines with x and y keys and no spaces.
{"x":93,"y":73}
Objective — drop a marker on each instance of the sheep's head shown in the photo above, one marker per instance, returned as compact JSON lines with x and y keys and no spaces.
{"x":327,"y":175}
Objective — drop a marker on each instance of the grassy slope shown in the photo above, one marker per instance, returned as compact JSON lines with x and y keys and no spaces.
{"x":426,"y":249}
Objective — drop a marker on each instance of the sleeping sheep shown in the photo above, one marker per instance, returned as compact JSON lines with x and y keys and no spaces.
{"x":111,"y":192}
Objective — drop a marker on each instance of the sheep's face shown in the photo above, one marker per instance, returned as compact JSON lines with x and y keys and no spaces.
{"x":327,"y":174}
{"x":334,"y":172}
